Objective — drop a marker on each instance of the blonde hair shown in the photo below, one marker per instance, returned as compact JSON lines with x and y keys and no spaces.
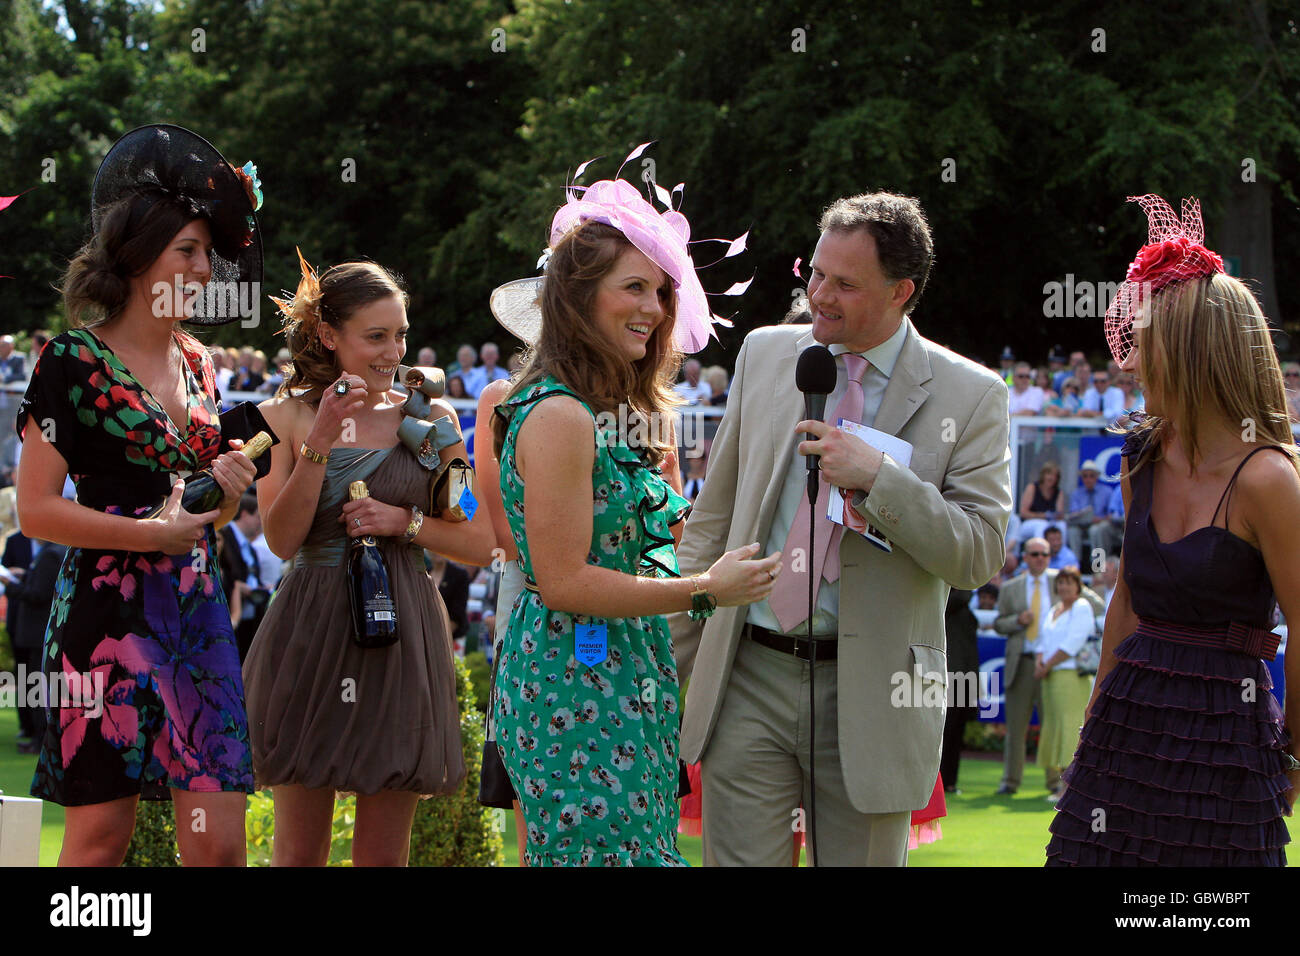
{"x":1207,"y":354}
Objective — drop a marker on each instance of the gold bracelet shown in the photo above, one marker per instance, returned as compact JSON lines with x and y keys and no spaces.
{"x":417,"y":521}
{"x":312,"y":455}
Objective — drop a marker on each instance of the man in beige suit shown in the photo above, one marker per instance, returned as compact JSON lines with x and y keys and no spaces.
{"x":1023,"y":604}
{"x":879,"y":615}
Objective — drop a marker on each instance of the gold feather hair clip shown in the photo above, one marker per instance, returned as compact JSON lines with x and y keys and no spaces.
{"x":302,"y":310}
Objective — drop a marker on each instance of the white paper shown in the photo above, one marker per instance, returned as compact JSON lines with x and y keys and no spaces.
{"x":893,"y":446}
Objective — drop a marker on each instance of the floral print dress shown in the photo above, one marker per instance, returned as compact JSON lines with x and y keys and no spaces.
{"x":140,"y":658}
{"x":591,"y":750}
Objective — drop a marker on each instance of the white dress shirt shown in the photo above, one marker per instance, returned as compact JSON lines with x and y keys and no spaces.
{"x":1030,"y":400}
{"x":253,"y":569}
{"x":826,"y":616}
{"x":270,"y":566}
{"x":1110,"y":403}
{"x":1067,"y":633}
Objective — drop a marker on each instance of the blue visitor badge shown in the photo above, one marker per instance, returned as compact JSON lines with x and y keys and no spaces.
{"x":467,"y":503}
{"x":590,"y":643}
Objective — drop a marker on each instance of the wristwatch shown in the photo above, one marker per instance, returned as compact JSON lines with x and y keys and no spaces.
{"x":417,"y":520}
{"x":1291,"y":762}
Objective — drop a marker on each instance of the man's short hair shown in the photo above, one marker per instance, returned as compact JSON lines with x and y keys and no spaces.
{"x":902,"y":235}
{"x":247,"y":504}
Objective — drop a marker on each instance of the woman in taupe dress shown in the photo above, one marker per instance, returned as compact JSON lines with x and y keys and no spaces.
{"x":325,"y":714}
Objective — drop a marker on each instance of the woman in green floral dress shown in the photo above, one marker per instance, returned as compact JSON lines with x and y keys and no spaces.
{"x":585,"y":695}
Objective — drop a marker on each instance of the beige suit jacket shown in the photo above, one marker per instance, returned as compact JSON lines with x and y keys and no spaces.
{"x":946,"y":518}
{"x":1012,"y":600}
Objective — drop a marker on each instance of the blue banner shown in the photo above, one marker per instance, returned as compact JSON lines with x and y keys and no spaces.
{"x":1104,"y":450}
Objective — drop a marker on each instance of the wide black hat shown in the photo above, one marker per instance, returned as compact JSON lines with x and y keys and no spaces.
{"x":171,"y":163}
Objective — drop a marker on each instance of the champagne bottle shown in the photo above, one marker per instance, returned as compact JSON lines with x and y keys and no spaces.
{"x":202,"y":491}
{"x":374,"y":613}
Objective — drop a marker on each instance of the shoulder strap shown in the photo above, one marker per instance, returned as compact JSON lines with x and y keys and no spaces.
{"x":1225,"y":500}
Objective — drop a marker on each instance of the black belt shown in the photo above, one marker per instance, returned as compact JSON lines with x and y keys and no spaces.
{"x":800,"y":647}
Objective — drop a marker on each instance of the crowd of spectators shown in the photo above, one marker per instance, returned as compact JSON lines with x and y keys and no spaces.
{"x":1078,"y":518}
{"x":1076,"y":391}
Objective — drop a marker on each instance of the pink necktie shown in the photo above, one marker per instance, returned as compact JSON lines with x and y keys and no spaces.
{"x":789,"y":598}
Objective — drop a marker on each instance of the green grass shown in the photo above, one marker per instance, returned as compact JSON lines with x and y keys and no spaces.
{"x":16,"y":780}
{"x":980,"y":829}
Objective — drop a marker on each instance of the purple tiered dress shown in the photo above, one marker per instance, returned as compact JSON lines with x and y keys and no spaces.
{"x":1181,"y":762}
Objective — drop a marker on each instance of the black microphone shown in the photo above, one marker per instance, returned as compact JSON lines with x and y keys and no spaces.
{"x":815,"y":377}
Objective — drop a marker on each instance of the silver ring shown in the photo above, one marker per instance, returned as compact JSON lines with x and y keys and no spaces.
{"x":341,"y":386}
{"x":357,"y":522}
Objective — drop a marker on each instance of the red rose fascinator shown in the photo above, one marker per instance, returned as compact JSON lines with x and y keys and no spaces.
{"x":1174,"y":252}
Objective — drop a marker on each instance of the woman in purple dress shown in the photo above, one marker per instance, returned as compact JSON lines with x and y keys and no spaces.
{"x":1186,"y":758}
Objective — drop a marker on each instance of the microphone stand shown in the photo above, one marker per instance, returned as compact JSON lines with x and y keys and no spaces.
{"x":813,"y":484}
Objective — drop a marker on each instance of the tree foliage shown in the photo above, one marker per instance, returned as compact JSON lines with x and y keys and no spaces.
{"x":1021,"y":131}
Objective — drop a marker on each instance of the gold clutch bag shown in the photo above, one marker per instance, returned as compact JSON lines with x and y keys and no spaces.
{"x":447,"y":490}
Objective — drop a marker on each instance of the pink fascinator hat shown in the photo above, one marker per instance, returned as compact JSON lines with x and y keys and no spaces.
{"x":1175,"y":252}
{"x":663,"y":237}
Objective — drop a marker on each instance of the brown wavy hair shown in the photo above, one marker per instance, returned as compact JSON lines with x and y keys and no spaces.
{"x":133,"y":233}
{"x":573,"y":349}
{"x":332,"y":298}
{"x":1207,"y":354}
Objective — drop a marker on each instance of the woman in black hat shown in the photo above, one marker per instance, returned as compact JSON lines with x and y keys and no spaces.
{"x":141,"y":666}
